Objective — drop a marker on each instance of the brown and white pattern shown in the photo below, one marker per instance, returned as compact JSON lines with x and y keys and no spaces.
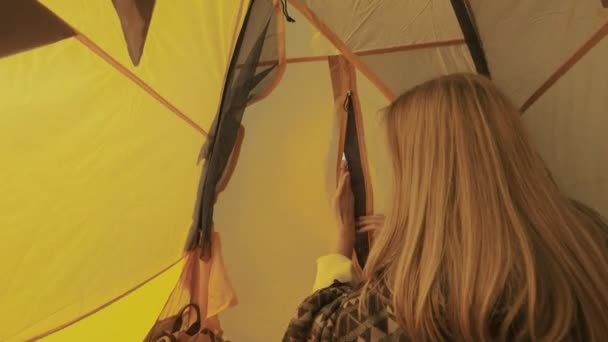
{"x":336,"y":314}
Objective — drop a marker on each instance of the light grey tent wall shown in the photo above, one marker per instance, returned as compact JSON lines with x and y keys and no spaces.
{"x":526,"y":43}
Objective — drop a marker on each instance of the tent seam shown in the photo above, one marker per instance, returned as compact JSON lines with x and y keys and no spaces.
{"x":88,"y":43}
{"x":372,"y":52}
{"x":97,"y":50}
{"x":107,"y":304}
{"x":578,"y":54}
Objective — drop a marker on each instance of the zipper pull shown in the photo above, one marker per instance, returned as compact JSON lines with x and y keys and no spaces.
{"x":348,"y":101}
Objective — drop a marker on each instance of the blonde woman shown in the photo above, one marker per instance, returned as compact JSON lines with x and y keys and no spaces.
{"x":480,"y":244}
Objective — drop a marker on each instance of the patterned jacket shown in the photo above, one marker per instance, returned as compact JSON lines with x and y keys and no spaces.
{"x":335,"y":314}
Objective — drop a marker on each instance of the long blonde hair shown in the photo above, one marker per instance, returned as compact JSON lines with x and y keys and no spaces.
{"x":480,"y":243}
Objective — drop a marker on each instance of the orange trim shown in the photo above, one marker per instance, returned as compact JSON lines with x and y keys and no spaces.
{"x":343,"y":48}
{"x":370,"y":52}
{"x":130,"y":75}
{"x":410,"y":47}
{"x":126,"y":72}
{"x":561,"y":71}
{"x":232,"y":162}
{"x":280,"y":27}
{"x":92,"y":312}
{"x":293,"y":60}
{"x":344,"y":78}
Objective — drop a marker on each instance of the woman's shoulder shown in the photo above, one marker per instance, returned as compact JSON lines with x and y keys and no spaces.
{"x":337,"y":312}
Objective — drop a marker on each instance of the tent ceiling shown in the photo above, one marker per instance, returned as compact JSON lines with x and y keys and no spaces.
{"x":526,"y":41}
{"x":402,"y":70}
{"x":377,"y":24}
{"x":569,"y":125}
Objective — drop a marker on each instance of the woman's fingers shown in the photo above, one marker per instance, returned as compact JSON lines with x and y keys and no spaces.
{"x":370,"y":223}
{"x":365,"y":224}
{"x":342,"y":170}
{"x":368,"y":228}
{"x":343,"y":165}
{"x":342,"y":181}
{"x":346,"y":179}
{"x":371,"y":219}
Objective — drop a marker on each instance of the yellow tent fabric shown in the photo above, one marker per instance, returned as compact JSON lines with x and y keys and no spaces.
{"x":100,"y":164}
{"x":129,"y":319}
{"x":99,"y":178}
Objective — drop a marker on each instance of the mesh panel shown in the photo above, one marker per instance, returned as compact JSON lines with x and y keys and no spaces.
{"x":245,"y":80}
{"x":265,"y":22}
{"x":203,"y":284}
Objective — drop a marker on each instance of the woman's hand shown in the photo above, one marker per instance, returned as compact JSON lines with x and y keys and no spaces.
{"x":370,"y":224}
{"x":344,"y":208}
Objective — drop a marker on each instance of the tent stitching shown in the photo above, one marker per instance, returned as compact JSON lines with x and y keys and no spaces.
{"x":116,"y":299}
{"x":97,"y":50}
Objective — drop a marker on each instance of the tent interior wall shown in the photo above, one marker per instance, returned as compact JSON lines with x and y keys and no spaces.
{"x":101,"y":163}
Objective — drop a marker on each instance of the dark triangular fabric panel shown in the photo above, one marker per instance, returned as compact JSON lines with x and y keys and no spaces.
{"x":135,"y":17}
{"x":605,"y":3}
{"x":26,"y":24}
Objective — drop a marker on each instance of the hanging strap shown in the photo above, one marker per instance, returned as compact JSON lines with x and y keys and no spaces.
{"x":195,"y":327}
